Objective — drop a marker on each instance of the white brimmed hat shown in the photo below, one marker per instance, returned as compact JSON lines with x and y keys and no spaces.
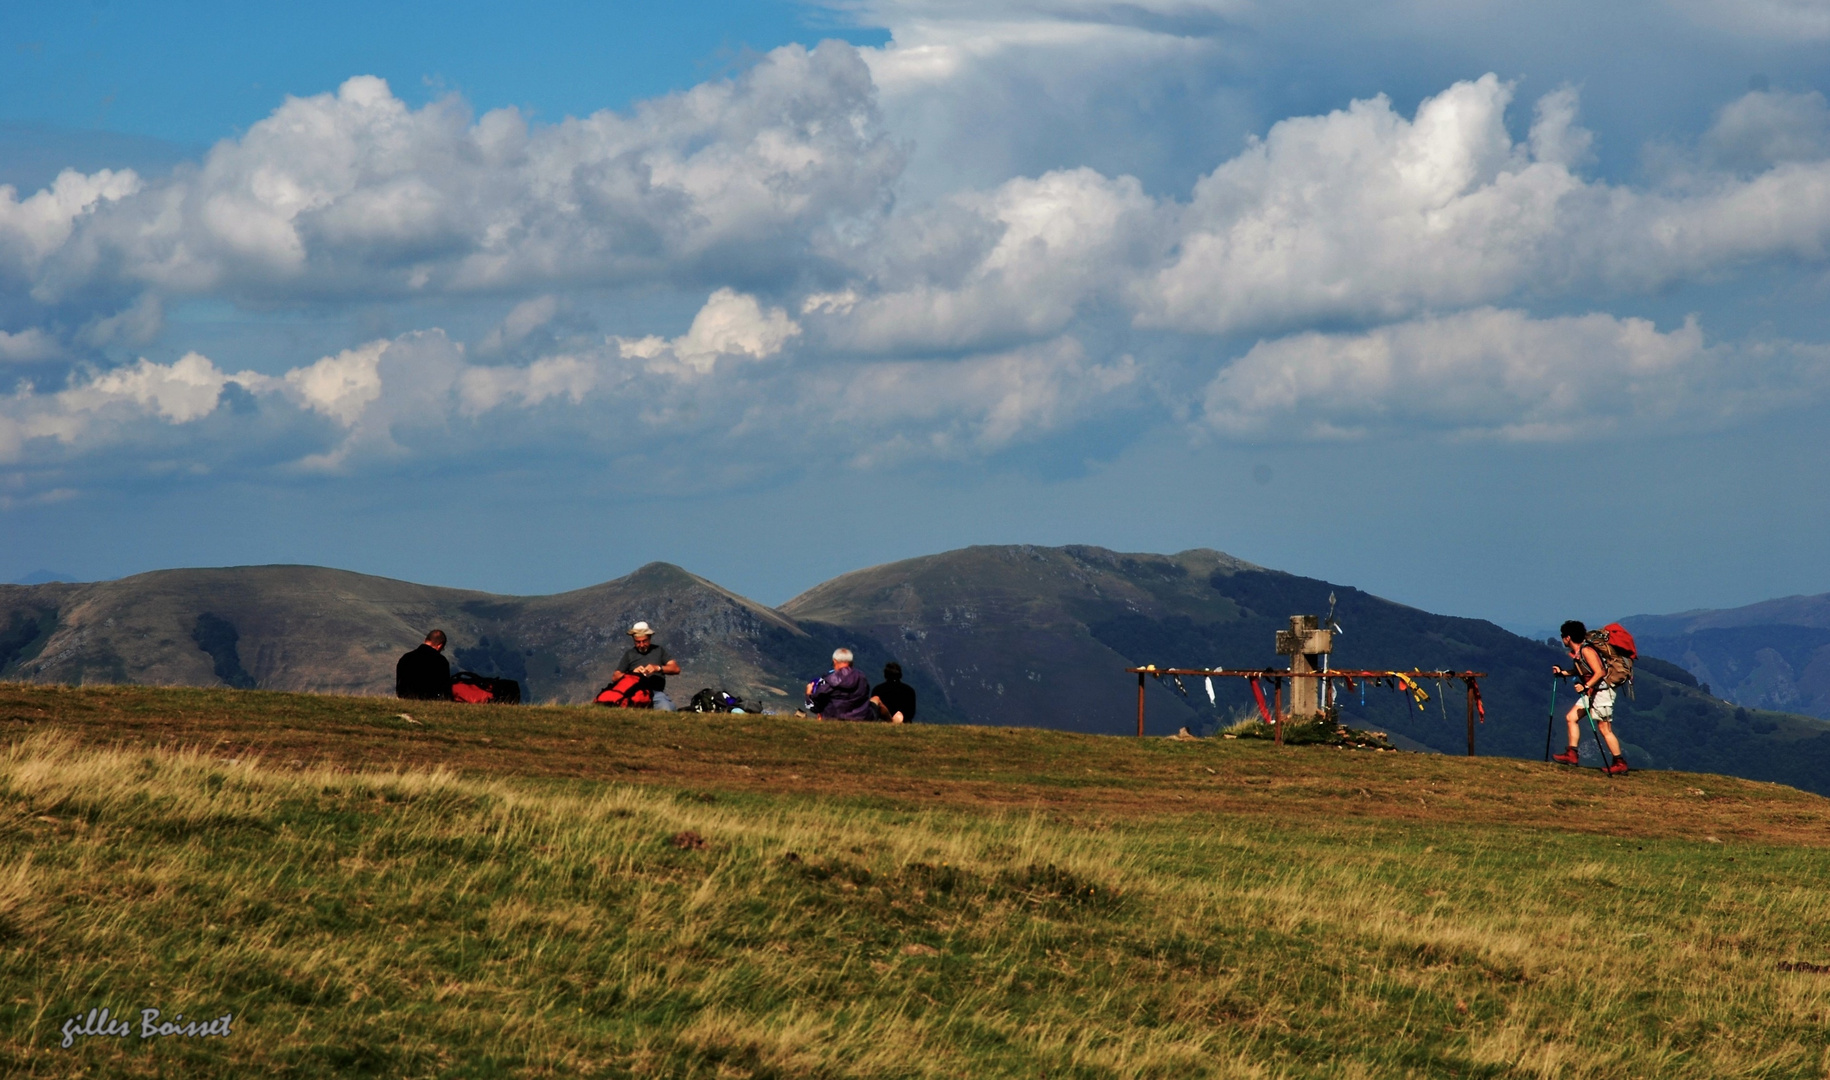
{"x":641,"y":629}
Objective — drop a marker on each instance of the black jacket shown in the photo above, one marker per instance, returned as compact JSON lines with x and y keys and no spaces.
{"x":897,"y":697}
{"x":423,"y":674}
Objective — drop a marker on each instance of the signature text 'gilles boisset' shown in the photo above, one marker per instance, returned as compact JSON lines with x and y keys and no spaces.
{"x":98,"y":1022}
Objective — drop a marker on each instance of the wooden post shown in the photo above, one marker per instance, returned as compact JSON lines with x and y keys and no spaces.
{"x":1470,"y":719}
{"x":1140,"y":704}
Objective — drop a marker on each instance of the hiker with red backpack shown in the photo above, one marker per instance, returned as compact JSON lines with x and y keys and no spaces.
{"x":1603,"y":661}
{"x":640,"y":679}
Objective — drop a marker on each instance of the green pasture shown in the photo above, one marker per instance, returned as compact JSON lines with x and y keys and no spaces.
{"x":444,"y":921}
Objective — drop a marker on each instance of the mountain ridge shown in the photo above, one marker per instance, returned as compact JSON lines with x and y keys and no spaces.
{"x":1774,"y":654}
{"x":1008,"y":635}
{"x":319,"y":629}
{"x":1801,"y":609}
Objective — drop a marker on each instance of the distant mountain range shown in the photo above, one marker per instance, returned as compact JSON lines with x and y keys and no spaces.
{"x":313,"y":629}
{"x":1015,"y":635}
{"x":1770,"y":655}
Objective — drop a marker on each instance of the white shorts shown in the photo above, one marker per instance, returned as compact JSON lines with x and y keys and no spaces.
{"x":1602,"y":708}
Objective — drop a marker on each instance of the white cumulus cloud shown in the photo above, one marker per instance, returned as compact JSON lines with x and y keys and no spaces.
{"x":1764,"y":128}
{"x":98,"y":409}
{"x":974,"y":405}
{"x":340,"y":386}
{"x":1019,"y":261}
{"x":1362,"y":214}
{"x":355,"y":194}
{"x":28,"y":345}
{"x":1503,"y":374}
{"x":731,"y":325}
{"x":842,"y":312}
{"x":34,"y":227}
{"x":181,"y":391}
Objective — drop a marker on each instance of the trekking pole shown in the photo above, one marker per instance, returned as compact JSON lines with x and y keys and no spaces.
{"x":1606,"y":759}
{"x":1551,"y":721}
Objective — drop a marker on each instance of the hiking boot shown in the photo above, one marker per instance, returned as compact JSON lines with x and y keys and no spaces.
{"x":1567,"y":757}
{"x":1619,"y":768}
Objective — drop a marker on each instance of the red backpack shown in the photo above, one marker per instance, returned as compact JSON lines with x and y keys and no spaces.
{"x":470,"y":693}
{"x":1617,"y":651}
{"x":622,"y":694}
{"x":474,"y":689}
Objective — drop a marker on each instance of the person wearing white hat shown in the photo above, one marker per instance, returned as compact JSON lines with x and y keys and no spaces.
{"x":649,"y":661}
{"x":842,"y":693}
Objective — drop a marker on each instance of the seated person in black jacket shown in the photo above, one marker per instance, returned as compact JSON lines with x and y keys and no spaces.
{"x":424,"y":674}
{"x":893,"y":698}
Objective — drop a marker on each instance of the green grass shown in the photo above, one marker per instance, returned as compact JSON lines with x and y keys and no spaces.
{"x":1317,"y":731}
{"x":1098,"y":907}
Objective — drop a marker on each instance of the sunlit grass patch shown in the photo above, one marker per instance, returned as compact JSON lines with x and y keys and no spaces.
{"x":428,"y":921}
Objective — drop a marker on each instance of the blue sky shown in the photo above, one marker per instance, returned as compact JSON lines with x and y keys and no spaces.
{"x":194,"y":73}
{"x":1513,"y":311}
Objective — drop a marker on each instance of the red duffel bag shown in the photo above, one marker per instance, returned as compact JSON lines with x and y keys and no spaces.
{"x":622,"y":694}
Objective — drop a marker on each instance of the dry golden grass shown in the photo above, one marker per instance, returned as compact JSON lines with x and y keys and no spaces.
{"x":458,"y":907}
{"x":1103,"y":778}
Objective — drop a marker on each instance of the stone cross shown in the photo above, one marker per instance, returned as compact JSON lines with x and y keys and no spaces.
{"x":1305,"y":643}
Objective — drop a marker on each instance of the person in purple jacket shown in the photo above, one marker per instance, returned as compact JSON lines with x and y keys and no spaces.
{"x":842,"y":693}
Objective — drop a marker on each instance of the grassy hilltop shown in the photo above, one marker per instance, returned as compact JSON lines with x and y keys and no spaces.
{"x":561,"y":891}
{"x":1006,"y":635}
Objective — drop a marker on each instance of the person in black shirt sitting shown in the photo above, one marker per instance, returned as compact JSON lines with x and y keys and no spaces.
{"x":651,"y":662}
{"x":424,"y":674}
{"x":894,"y":699}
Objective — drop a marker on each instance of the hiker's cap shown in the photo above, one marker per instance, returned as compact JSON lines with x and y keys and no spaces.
{"x":640,"y":629}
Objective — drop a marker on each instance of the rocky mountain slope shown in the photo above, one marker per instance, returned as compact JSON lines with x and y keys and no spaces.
{"x":313,"y":629}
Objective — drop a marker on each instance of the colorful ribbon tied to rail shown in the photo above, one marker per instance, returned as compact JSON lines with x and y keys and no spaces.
{"x":1258,"y":692}
{"x":1417,"y":692}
